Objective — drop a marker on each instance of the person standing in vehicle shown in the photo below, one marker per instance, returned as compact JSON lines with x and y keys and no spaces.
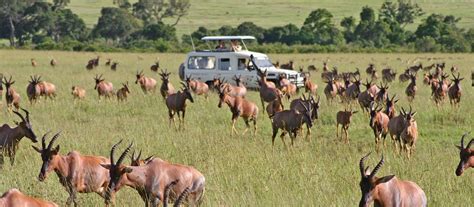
{"x":235,"y":46}
{"x":221,"y":45}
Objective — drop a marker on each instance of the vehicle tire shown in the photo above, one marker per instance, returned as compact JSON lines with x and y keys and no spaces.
{"x":181,"y":71}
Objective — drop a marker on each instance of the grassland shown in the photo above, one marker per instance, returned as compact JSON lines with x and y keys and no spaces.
{"x":240,"y":170}
{"x":267,"y":13}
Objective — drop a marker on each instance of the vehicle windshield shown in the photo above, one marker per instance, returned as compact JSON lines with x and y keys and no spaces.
{"x":263,"y":62}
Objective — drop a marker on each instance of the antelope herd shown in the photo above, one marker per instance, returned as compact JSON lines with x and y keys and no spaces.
{"x":158,"y":181}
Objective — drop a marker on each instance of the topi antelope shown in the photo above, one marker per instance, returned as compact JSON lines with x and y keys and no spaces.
{"x":411,"y":89}
{"x":11,"y":137}
{"x":388,"y":190}
{"x":48,"y":90}
{"x":155,"y":67}
{"x":96,"y":61}
{"x":166,"y":88}
{"x":379,"y":124}
{"x":147,"y":84}
{"x":309,"y":86}
{"x":114,"y":66}
{"x":405,"y":76}
{"x":388,"y":75}
{"x":151,"y":179}
{"x":344,"y":118}
{"x":331,"y":89}
{"x":365,"y":98}
{"x":440,"y":90}
{"x":108,"y":62}
{"x":90,"y":65}
{"x":287,"y":88}
{"x":370,"y":69}
{"x":409,"y":134}
{"x":78,"y":92}
{"x":15,"y":198}
{"x":53,"y":62}
{"x":77,"y":173}
{"x":240,"y":107}
{"x":268,"y":92}
{"x":274,"y":107}
{"x":136,"y":161}
{"x":466,"y":156}
{"x":455,"y":91}
{"x":290,"y":121}
{"x":352,"y":90}
{"x":33,"y":90}
{"x":396,"y":125}
{"x":12,"y":97}
{"x":299,"y":105}
{"x":290,"y":65}
{"x":381,"y":95}
{"x":177,"y":103}
{"x":33,"y":62}
{"x":197,"y":87}
{"x":239,"y":89}
{"x":123,"y":92}
{"x":390,"y":106}
{"x":104,"y":88}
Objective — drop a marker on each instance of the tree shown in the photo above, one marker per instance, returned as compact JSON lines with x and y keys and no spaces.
{"x":115,"y":24}
{"x":249,"y":28}
{"x":153,"y":11}
{"x":12,"y":12}
{"x":348,"y":23}
{"x":159,"y":31}
{"x":123,"y":4}
{"x":319,"y":29}
{"x":367,"y":15}
{"x":288,"y":34}
{"x":60,"y":4}
{"x":402,"y":12}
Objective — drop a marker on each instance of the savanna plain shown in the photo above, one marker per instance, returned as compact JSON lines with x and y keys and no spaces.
{"x":239,"y":170}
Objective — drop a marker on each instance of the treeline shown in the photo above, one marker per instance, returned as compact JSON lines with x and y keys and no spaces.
{"x":139,"y":27}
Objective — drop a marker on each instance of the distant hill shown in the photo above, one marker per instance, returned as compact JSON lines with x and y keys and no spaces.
{"x":268,"y":13}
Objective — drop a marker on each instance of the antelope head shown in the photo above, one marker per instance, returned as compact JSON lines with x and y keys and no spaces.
{"x":369,"y":181}
{"x":456,"y":80}
{"x":98,"y":79}
{"x":465,"y":154}
{"x":139,"y":76}
{"x":8,"y":83}
{"x":307,"y":113}
{"x":187,"y":91}
{"x":373,"y":110}
{"x":25,"y":125}
{"x":314,"y":106}
{"x":48,"y":155}
{"x":125,"y":86}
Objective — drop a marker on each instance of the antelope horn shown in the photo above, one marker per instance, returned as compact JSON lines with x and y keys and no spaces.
{"x":21,"y":116}
{"x":112,"y":151}
{"x":43,"y":140}
{"x":377,"y":168}
{"x":410,"y":110}
{"x":305,"y":108}
{"x":362,"y":165}
{"x":139,"y":154}
{"x":304,"y":98}
{"x":27,"y":114}
{"x":462,"y":139}
{"x":403,"y":111}
{"x":53,"y":140}
{"x":124,"y":154}
{"x":469,"y":144}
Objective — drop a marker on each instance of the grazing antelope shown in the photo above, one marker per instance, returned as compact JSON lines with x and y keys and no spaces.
{"x":197,"y":87}
{"x":155,"y":67}
{"x":123,"y":92}
{"x":455,"y":91}
{"x":381,"y":95}
{"x":331,"y":89}
{"x":344,"y":118}
{"x":12,"y":97}
{"x":298,"y":105}
{"x":466,"y":156}
{"x":177,"y":103}
{"x":53,"y":62}
{"x":33,"y":90}
{"x":409,"y":134}
{"x":33,"y":62}
{"x":147,"y":84}
{"x":11,"y":137}
{"x":104,"y":88}
{"x":405,"y":76}
{"x":411,"y":89}
{"x":290,"y":121}
{"x":47,"y":89}
{"x":166,"y":88}
{"x":114,"y":66}
{"x":77,"y":173}
{"x":365,"y":98}
{"x":388,"y":190}
{"x":15,"y":198}
{"x":286,"y":87}
{"x":108,"y":62}
{"x":390,"y":107}
{"x":151,"y":179}
{"x":388,"y":75}
{"x":78,"y":92}
{"x":289,"y":66}
{"x":268,"y":93}
{"x":240,"y":107}
{"x":379,"y":124}
{"x":309,"y":86}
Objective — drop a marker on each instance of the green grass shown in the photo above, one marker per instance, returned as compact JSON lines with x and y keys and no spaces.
{"x":239,"y":170}
{"x":267,"y":13}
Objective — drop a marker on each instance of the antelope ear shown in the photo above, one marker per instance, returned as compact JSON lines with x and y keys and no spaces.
{"x":127,"y":170}
{"x":106,"y":166}
{"x":56,"y":150}
{"x":459,"y":147}
{"x":36,"y":149}
{"x":384,"y":179}
{"x":354,"y":112}
{"x":413,"y":114}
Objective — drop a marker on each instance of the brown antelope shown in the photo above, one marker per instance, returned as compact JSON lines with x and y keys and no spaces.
{"x":108,"y":62}
{"x":309,"y":86}
{"x":415,"y":68}
{"x":388,"y":190}
{"x":240,"y":107}
{"x":123,"y":92}
{"x":114,"y":66}
{"x":33,"y":90}
{"x":15,"y":198}
{"x":268,"y":93}
{"x":429,"y":67}
{"x":180,"y":198}
{"x":352,"y":90}
{"x":440,"y":90}
{"x":396,"y":125}
{"x":298,"y":105}
{"x":48,"y":90}
{"x":344,"y":118}
{"x":197,"y":87}
{"x":77,"y":173}
{"x":274,"y":107}
{"x":239,"y":89}
{"x":53,"y":62}
{"x":326,"y":73}
{"x":290,"y":121}
{"x":381,"y":95}
{"x":151,"y":179}
{"x":104,"y":88}
{"x":365,"y":97}
{"x":155,"y":67}
{"x":290,"y":65}
{"x":78,"y":92}
{"x":455,"y":91}
{"x":409,"y":134}
{"x":427,"y":77}
{"x":370,"y":69}
{"x":331,"y":89}
{"x":312,"y":68}
{"x":405,"y":76}
{"x":372,"y":88}
{"x":96,"y":61}
{"x":177,"y":103}
{"x":166,"y":88}
{"x":11,"y":137}
{"x":33,"y":62}
{"x":411,"y":89}
{"x":388,"y":75}
{"x":90,"y":65}
{"x":147,"y":84}
{"x":379,"y":124}
{"x":12,"y":97}
{"x":286,"y":87}
{"x":136,"y":161}
{"x":454,"y":69}
{"x":466,"y":156}
{"x":390,"y":107}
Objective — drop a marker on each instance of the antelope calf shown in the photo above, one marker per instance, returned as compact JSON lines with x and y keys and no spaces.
{"x":33,"y":90}
{"x":352,"y":90}
{"x":12,"y":97}
{"x":240,"y":107}
{"x":104,"y":88}
{"x":388,"y":190}
{"x":77,"y":173}
{"x":151,"y":179}
{"x":33,"y":62}
{"x":290,"y":121}
{"x":409,"y":134}
{"x":197,"y":87}
{"x":176,"y":103}
{"x":344,"y":118}
{"x":123,"y":92}
{"x":379,"y":124}
{"x":309,"y":86}
{"x":147,"y":84}
{"x":11,"y":137}
{"x":166,"y":88}
{"x":466,"y":156}
{"x":15,"y":198}
{"x":411,"y":89}
{"x":455,"y":91}
{"x":155,"y":67}
{"x":114,"y":66}
{"x":78,"y":92}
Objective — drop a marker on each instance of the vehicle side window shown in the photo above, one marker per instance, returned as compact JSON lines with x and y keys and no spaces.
{"x":224,"y":64}
{"x":242,"y":64}
{"x":202,"y":62}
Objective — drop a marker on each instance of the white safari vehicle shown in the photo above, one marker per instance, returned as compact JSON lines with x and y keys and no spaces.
{"x":225,"y":62}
